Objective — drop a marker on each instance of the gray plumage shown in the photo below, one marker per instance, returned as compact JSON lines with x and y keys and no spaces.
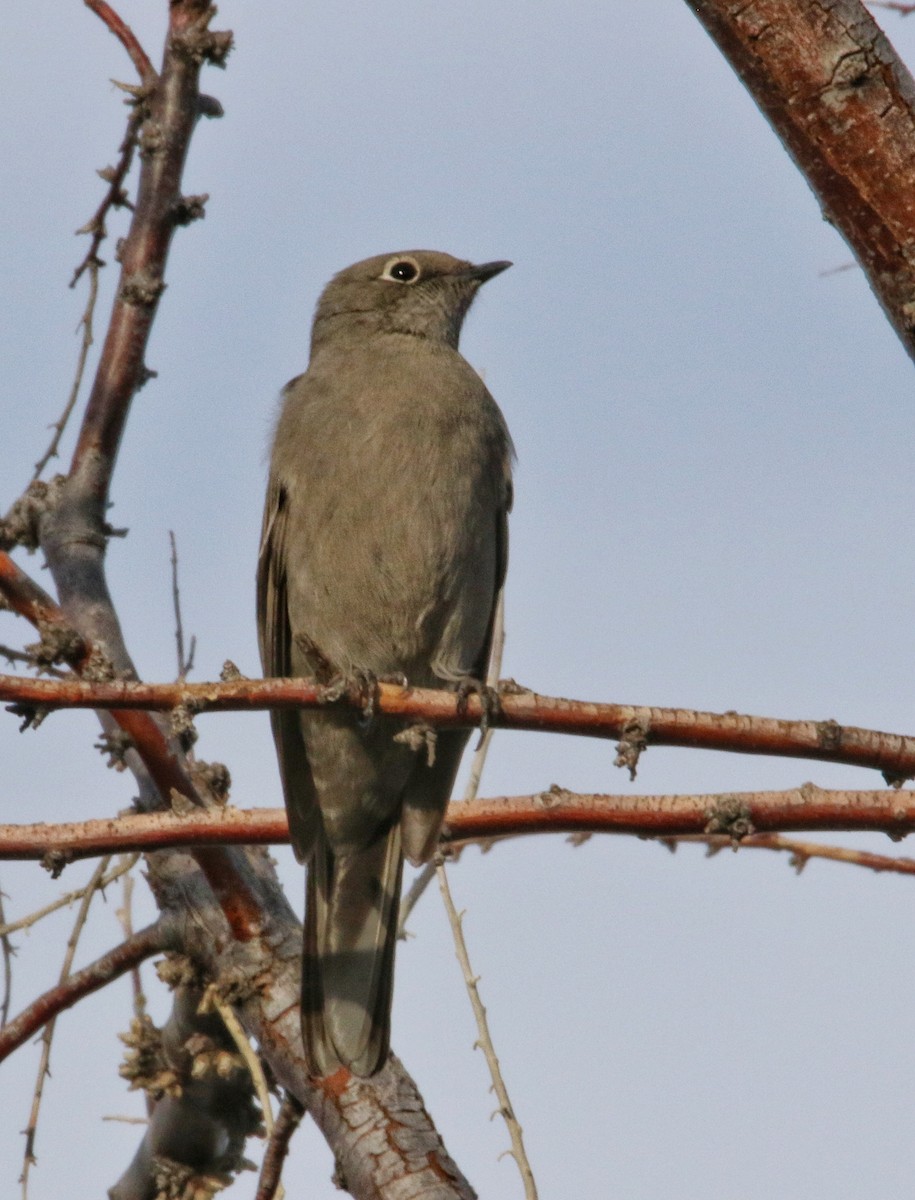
{"x":383,"y":550}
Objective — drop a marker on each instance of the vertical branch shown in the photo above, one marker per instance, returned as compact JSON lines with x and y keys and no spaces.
{"x":184,"y":664}
{"x":6,"y":948}
{"x":287,"y":1122}
{"x":74,"y":534}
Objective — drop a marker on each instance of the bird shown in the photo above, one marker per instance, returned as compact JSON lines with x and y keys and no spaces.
{"x":382,"y":556}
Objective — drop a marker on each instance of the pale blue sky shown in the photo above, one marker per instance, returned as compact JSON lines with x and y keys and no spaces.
{"x":714,"y":500}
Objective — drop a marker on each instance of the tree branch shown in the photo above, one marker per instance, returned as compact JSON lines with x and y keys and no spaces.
{"x":126,"y":37}
{"x":110,"y":966}
{"x":637,"y":727}
{"x":739,"y":816}
{"x":287,"y":1122}
{"x":843,"y":103}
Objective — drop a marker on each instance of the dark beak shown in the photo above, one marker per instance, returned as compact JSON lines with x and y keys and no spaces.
{"x":486,"y":270}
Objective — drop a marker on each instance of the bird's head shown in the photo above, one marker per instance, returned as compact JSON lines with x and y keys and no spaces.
{"x":423,"y":293}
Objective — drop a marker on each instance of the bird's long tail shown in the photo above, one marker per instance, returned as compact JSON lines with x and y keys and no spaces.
{"x":351,"y":909}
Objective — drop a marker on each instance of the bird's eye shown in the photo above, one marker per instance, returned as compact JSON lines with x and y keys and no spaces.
{"x":402,"y":270}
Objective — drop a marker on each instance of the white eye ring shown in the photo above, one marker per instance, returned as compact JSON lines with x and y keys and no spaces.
{"x":402,"y":269}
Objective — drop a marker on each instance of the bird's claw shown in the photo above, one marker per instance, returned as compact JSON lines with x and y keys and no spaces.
{"x":490,"y":703}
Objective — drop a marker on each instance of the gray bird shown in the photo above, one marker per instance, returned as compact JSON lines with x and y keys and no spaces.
{"x":383,"y":551}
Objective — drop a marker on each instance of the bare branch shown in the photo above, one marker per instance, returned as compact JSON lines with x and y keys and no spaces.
{"x":485,"y":1042}
{"x":6,"y":948}
{"x":735,"y":815}
{"x":802,"y":852}
{"x":637,"y":727}
{"x":47,"y":1036}
{"x":843,"y":103}
{"x":287,"y":1122}
{"x":126,"y":37}
{"x":73,"y":988}
{"x":904,"y":10}
{"x":92,"y":264}
{"x":184,"y":664}
{"x":68,"y":898}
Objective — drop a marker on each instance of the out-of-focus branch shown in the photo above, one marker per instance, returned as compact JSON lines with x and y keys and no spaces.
{"x":6,"y":953}
{"x":82,"y":983}
{"x":32,"y":918}
{"x":745,"y":817}
{"x":126,"y":37}
{"x":904,"y":10}
{"x":637,"y":727}
{"x":843,"y":103}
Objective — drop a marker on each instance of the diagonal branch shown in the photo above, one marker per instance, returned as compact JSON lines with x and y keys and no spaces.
{"x":843,"y":103}
{"x":126,"y":37}
{"x":110,"y":966}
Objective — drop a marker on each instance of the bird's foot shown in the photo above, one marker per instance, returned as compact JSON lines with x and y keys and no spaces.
{"x":490,"y":703}
{"x":362,"y":686}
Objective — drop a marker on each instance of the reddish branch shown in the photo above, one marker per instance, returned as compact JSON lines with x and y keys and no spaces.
{"x":164,"y":140}
{"x":287,"y":1122}
{"x":741,"y":816}
{"x":90,"y":979}
{"x":25,"y":597}
{"x":843,"y":104}
{"x":126,"y":37}
{"x":637,"y":727}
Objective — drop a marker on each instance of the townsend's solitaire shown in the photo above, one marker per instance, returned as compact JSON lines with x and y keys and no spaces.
{"x":383,"y":552}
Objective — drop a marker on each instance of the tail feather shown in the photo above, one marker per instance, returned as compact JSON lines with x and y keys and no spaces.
{"x":351,"y":910}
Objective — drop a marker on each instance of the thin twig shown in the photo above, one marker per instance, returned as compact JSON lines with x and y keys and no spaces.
{"x":212,"y":999}
{"x":8,"y":951}
{"x":485,"y":1041}
{"x":28,"y":660}
{"x":124,"y":915}
{"x":48,"y":1034}
{"x":114,"y":197}
{"x":802,"y":852}
{"x":126,"y":864}
{"x":92,"y":265}
{"x":185,"y":665}
{"x":287,"y":1122}
{"x":168,"y":770}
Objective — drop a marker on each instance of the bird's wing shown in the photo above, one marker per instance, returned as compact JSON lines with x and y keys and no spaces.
{"x":275,"y":638}
{"x":501,"y":568}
